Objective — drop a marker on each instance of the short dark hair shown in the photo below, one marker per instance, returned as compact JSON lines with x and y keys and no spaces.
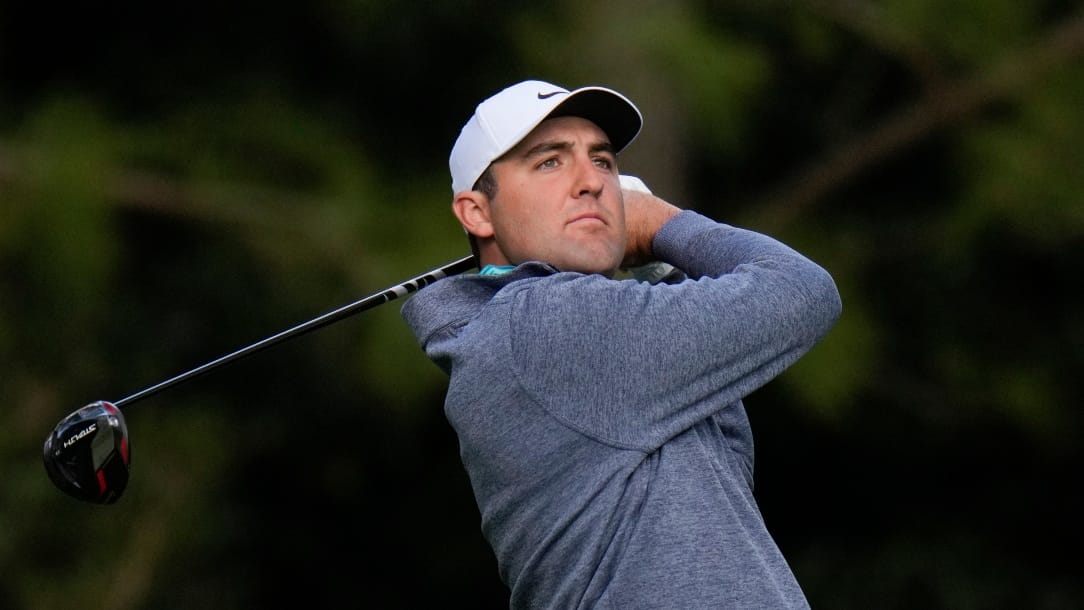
{"x":487,"y":183}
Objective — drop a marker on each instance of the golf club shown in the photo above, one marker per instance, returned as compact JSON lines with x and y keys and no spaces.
{"x":88,"y":454}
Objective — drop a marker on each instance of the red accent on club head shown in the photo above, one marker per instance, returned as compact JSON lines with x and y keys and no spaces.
{"x":124,"y":450}
{"x":101,"y":482}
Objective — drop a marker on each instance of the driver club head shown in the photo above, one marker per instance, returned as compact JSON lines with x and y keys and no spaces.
{"x":88,"y":455}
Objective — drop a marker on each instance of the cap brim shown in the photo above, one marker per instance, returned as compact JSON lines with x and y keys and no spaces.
{"x":614,"y":115}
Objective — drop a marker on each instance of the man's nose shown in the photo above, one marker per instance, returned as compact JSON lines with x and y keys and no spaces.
{"x":588,"y":178}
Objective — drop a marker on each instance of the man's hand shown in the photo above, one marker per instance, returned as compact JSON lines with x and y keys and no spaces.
{"x":645,"y":214}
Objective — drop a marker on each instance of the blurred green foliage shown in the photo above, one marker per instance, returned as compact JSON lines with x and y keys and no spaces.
{"x":178,"y":183}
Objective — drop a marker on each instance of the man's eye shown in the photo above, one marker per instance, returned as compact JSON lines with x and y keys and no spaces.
{"x":604,"y":163}
{"x":548,"y":163}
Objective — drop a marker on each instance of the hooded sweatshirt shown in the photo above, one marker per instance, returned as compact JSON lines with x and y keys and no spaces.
{"x":601,"y":420}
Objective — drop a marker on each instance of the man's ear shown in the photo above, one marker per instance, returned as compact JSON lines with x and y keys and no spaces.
{"x":472,"y":210}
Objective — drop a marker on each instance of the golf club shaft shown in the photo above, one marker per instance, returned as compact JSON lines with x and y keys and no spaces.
{"x":369,"y":302}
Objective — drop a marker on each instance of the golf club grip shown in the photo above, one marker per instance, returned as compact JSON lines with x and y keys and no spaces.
{"x":369,"y":302}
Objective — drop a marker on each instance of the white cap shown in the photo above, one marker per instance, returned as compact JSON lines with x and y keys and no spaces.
{"x":501,"y":121}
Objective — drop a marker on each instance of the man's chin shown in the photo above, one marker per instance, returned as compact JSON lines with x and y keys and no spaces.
{"x":603,"y":265}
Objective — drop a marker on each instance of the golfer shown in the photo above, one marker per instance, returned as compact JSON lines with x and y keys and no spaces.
{"x":600,"y":420}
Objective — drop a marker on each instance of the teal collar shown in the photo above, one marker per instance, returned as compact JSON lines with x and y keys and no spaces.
{"x":496,"y":269}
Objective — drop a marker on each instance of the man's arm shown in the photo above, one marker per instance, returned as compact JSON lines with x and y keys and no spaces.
{"x":633,"y":364}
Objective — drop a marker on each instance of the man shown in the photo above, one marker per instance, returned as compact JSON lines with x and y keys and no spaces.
{"x":599,"y":419}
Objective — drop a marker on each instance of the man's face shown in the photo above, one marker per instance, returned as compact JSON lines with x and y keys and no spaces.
{"x":559,"y":200}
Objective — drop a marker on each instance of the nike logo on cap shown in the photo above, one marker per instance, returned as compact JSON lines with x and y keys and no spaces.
{"x":543,"y":96}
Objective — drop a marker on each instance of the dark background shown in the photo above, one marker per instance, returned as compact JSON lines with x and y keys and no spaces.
{"x":178,"y":181}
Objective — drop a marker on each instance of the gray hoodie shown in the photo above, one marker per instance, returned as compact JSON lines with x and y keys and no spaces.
{"x":600,"y":421}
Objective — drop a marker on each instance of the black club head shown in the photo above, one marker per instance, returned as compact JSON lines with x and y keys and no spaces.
{"x":88,"y":455}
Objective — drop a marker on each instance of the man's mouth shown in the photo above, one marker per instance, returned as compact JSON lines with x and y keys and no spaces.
{"x":586,"y":217}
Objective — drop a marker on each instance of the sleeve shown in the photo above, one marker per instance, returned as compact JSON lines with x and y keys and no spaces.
{"x":633,"y":364}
